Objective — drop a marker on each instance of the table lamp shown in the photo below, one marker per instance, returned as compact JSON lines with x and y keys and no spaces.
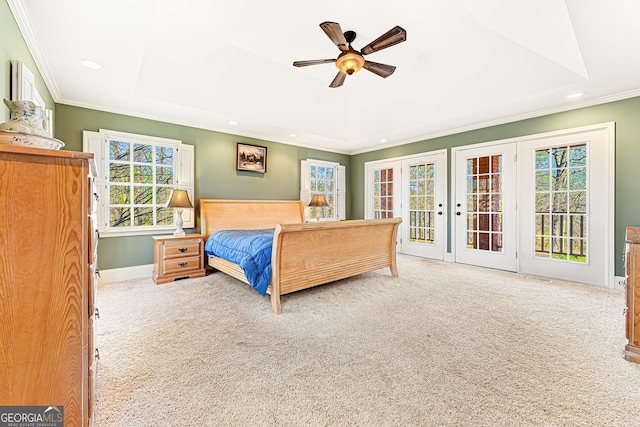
{"x":318,"y":201}
{"x":179,"y":200}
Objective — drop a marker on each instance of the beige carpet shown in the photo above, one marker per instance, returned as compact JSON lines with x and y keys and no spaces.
{"x":442,"y":345}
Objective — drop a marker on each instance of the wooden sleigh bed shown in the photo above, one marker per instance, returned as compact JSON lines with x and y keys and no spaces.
{"x":303,"y":254}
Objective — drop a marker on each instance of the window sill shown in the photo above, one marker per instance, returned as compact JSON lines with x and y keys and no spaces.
{"x":156,"y":231}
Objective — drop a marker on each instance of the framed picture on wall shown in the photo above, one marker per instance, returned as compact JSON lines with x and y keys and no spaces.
{"x":252,"y":158}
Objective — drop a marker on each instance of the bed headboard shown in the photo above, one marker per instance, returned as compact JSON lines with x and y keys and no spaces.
{"x":248,"y":214}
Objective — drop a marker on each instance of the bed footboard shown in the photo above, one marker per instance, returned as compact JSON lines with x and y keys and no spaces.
{"x":307,"y":255}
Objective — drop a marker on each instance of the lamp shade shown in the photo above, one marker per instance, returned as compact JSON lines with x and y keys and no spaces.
{"x":179,"y":199}
{"x":350,"y":62}
{"x":318,"y":200}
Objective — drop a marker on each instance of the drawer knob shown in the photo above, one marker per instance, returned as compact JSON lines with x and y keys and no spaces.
{"x":182,"y":264}
{"x":183,"y":250}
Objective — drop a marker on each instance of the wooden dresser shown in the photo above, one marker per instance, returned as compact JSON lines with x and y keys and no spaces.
{"x":632,"y":271}
{"x":48,"y":243}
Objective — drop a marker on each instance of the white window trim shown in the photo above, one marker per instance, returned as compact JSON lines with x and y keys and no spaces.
{"x":339,"y":194}
{"x":96,"y":143}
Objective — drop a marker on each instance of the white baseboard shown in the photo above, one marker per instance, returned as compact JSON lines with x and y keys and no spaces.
{"x":448,"y":257}
{"x":125,"y":273}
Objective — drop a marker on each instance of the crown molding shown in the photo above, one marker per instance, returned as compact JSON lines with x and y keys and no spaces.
{"x":26,"y":29}
{"x":508,"y":119}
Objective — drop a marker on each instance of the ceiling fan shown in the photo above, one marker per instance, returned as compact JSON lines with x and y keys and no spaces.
{"x":350,"y":60}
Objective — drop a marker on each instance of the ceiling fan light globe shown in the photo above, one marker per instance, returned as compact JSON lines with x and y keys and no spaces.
{"x":350,"y":62}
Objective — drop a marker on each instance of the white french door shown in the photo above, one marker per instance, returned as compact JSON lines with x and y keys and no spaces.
{"x":413,"y":188}
{"x":562,"y":185}
{"x":383,"y":190}
{"x":565,"y":203}
{"x":485,"y":206}
{"x":423,"y":206}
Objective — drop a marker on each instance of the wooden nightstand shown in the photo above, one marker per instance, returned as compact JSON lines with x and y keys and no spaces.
{"x":178,"y":257}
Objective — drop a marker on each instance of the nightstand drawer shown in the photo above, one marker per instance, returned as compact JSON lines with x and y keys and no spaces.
{"x":181,"y":249}
{"x":171,"y":266}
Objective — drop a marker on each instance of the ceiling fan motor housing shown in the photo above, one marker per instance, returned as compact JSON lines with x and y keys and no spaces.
{"x":349,"y":36}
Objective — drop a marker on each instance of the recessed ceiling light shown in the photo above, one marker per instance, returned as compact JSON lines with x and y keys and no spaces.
{"x":576,"y":95}
{"x":91,"y":64}
{"x":383,"y":140}
{"x":292,"y":135}
{"x":233,"y":123}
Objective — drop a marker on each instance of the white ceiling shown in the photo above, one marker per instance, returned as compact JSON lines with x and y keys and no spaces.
{"x":466,"y":63}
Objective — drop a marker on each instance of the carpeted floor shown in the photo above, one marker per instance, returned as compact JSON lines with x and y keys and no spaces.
{"x":442,"y":345}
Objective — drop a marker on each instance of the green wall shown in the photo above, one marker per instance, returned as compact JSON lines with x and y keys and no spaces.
{"x":626,"y":115}
{"x":13,"y":46}
{"x":215,"y":169}
{"x":215,"y":153}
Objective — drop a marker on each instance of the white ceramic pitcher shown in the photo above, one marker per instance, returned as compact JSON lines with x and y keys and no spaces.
{"x":26,"y":117}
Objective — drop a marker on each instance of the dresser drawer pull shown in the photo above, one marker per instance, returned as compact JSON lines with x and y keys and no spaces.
{"x":97,"y":354}
{"x":97,"y":313}
{"x":183,"y":250}
{"x":182,"y":264}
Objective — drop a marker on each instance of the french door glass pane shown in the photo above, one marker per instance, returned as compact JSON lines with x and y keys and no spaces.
{"x":422,"y":203}
{"x":484,"y":203}
{"x":561,"y":203}
{"x":383,"y":193}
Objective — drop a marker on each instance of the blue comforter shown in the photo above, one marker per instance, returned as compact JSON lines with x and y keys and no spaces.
{"x":251,"y":249}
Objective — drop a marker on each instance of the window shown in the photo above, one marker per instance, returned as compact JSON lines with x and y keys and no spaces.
{"x":484,"y":203}
{"x":327,"y":179}
{"x":135,"y":177}
{"x":422,"y":210}
{"x":383,"y":193}
{"x":561,"y":203}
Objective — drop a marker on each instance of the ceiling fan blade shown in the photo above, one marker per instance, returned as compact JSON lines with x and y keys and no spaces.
{"x":382,"y":70}
{"x":313,"y":62}
{"x":338,"y":80}
{"x":333,"y":30}
{"x":393,"y":36}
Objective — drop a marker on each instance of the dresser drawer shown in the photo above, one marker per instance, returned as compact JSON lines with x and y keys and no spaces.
{"x":182,"y":249}
{"x":173,"y":266}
